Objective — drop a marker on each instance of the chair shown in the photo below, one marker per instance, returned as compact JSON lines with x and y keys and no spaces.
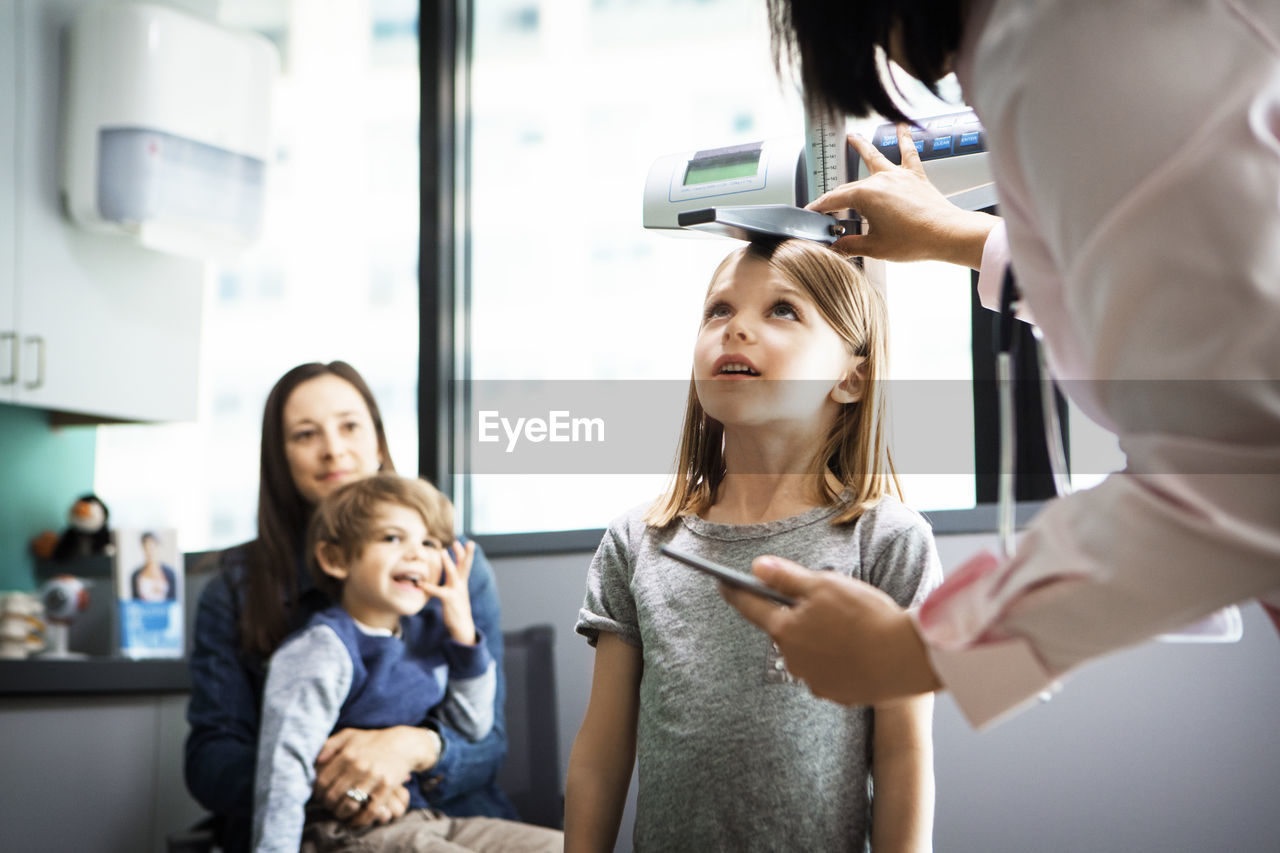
{"x":197,"y":839}
{"x":530,"y":776}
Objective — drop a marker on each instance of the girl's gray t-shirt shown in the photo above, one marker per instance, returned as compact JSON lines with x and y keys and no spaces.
{"x":734,"y":754}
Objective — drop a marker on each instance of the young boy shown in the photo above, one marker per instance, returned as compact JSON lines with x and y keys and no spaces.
{"x":377,"y":546}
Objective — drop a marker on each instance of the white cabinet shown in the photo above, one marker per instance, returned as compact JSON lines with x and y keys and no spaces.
{"x":98,"y":326}
{"x":8,"y":192}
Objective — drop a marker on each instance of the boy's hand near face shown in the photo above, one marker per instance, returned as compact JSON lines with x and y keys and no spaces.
{"x":453,"y":593}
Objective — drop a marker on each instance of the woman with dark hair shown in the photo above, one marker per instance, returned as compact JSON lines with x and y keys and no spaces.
{"x":1140,"y":188}
{"x":320,"y":429}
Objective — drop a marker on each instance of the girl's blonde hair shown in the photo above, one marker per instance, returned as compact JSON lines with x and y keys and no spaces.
{"x":855,"y":457}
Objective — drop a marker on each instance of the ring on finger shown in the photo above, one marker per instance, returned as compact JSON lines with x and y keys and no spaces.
{"x":358,"y":796}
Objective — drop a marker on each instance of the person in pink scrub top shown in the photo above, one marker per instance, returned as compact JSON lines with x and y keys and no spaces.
{"x":1140,"y":193}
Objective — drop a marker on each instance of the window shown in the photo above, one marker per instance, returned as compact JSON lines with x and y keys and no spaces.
{"x":568,"y":297}
{"x":335,"y":276}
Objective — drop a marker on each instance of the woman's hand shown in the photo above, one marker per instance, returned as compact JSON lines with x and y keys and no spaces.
{"x":452,"y":591}
{"x":377,"y":762}
{"x":847,"y":640}
{"x":907,"y":217}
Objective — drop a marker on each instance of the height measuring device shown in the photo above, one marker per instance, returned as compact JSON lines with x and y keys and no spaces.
{"x":758,"y":190}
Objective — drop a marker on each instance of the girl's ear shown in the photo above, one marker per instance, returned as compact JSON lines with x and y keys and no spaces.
{"x":852,"y":386}
{"x":329,"y":556}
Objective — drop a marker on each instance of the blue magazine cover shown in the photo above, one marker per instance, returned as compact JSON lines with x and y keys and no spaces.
{"x":149,"y":589}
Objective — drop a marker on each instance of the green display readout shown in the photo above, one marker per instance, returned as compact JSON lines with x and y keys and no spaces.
{"x":721,"y":169}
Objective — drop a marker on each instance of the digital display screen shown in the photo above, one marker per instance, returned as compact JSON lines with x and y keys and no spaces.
{"x":723,"y":168}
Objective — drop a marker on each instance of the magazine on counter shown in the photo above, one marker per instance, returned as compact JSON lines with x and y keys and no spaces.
{"x":149,"y":575}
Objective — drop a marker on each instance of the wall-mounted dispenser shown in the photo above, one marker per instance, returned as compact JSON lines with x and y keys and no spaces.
{"x":166,"y":128}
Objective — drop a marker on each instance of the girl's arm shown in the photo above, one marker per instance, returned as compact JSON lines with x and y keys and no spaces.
{"x":902,"y":774}
{"x":605,"y":750}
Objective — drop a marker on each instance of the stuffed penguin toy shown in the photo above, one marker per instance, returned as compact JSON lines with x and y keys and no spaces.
{"x":87,"y":533}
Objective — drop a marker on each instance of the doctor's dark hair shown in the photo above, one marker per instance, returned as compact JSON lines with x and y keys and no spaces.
{"x":344,"y":522}
{"x":855,"y":456}
{"x":837,"y":44}
{"x":271,"y":593}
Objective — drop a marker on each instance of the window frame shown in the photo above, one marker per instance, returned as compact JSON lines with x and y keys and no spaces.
{"x":443,"y":33}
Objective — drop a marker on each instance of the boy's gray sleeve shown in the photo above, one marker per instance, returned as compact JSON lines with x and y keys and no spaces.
{"x":307,"y":682}
{"x":468,"y":703}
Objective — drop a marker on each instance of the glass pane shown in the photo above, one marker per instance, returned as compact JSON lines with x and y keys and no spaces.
{"x":931,"y":395}
{"x":335,"y":276}
{"x":570,"y":104}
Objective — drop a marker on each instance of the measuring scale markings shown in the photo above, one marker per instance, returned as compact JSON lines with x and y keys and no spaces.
{"x":825,"y":148}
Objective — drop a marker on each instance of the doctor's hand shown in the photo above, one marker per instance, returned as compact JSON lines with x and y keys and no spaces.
{"x":908,"y":219}
{"x":845,"y":639}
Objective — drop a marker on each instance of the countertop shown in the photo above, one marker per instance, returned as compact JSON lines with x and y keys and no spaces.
{"x":93,"y":675}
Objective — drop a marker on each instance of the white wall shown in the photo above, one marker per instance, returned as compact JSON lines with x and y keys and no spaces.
{"x":1160,"y":748}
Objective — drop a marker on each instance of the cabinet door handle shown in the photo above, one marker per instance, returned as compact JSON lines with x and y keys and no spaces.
{"x":38,"y":340}
{"x":12,"y":338}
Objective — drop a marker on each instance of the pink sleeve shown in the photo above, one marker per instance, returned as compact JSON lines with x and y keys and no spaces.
{"x":1095,"y":572}
{"x":995,"y":260}
{"x":1164,"y":326}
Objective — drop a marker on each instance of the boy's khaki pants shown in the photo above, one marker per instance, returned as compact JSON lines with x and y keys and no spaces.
{"x":428,"y":831}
